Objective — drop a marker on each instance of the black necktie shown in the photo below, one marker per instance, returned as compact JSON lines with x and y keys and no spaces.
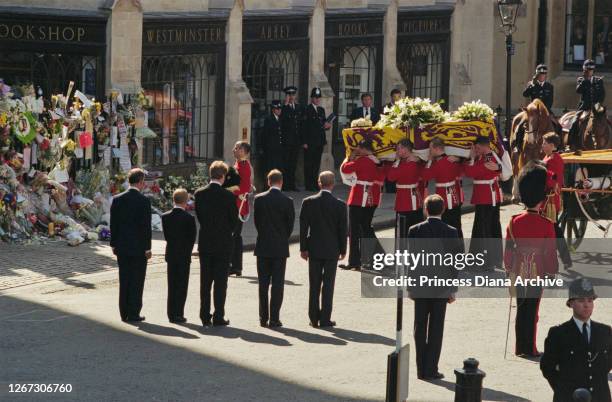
{"x":585,"y":333}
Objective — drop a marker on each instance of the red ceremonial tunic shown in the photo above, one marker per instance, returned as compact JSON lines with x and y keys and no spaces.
{"x":554,"y":164}
{"x":408,"y":195}
{"x":370,"y":178}
{"x":244,"y":170}
{"x":447,"y":175}
{"x":485,"y":190}
{"x":535,"y":240}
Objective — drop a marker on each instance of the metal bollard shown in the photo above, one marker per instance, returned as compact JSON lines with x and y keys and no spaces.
{"x":581,"y":395}
{"x":468,"y":387}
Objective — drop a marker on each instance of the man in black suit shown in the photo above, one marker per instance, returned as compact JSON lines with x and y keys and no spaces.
{"x":430,"y":301}
{"x":218,"y":216}
{"x":366,"y":109}
{"x":274,"y":217}
{"x":180,"y":234}
{"x":313,"y":138}
{"x":578,"y":353}
{"x":273,"y":148}
{"x":291,"y":122}
{"x":131,"y":243}
{"x":323,"y":231}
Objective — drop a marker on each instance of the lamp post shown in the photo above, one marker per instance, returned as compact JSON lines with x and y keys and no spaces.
{"x":508,"y":10}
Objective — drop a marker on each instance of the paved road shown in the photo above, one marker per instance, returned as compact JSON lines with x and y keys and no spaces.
{"x":67,"y":330}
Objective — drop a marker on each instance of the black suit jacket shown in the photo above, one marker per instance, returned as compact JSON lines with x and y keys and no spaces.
{"x":291,"y":122}
{"x":565,"y":362}
{"x":545,"y":92}
{"x":358,"y":114}
{"x":218,"y":216}
{"x":438,"y":238}
{"x":313,"y":133}
{"x":274,"y":218}
{"x":272,"y":134}
{"x":130,"y":224}
{"x":180,"y":234}
{"x":323,"y":226}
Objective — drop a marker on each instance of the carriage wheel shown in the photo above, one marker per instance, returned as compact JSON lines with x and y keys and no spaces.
{"x":574,"y":230}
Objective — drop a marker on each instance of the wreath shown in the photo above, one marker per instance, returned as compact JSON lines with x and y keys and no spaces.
{"x":25,"y":128}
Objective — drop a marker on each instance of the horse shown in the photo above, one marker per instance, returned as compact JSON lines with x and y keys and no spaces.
{"x":536,"y":121}
{"x":594,"y":128}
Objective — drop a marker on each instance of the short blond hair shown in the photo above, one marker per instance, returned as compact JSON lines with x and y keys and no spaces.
{"x":218,"y":170}
{"x":180,"y":196}
{"x":327,"y":178}
{"x":275,"y":176}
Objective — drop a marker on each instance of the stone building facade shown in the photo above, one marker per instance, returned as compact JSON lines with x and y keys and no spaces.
{"x":213,"y":66}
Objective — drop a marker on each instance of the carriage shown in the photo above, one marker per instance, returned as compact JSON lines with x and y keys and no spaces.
{"x":587,"y":196}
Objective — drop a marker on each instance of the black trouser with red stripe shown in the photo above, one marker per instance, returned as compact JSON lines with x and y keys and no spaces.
{"x":526,"y":325}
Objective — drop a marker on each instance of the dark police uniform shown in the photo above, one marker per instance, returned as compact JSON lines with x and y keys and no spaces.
{"x":544,"y":92}
{"x":574,"y":359}
{"x":591,"y":92}
{"x":313,"y":136}
{"x":291,"y":119}
{"x":273,"y":149}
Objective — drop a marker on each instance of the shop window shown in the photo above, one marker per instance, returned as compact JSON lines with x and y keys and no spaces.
{"x":52,"y":72}
{"x":184,"y":113}
{"x":266,"y":73}
{"x":422,"y":67}
{"x":582,"y":18}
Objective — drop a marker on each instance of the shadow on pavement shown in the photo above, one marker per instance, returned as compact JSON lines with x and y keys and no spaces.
{"x":487,"y":393}
{"x":233,"y":333}
{"x":155,"y":329}
{"x":255,"y":280}
{"x":107,"y":364}
{"x":359,"y":337}
{"x":309,"y":337}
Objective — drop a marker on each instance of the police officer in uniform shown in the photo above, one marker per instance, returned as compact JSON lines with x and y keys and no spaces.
{"x":578,"y":353}
{"x":540,"y":88}
{"x":273,"y":149}
{"x":313,"y":138}
{"x":291,"y":119}
{"x":592,"y":92}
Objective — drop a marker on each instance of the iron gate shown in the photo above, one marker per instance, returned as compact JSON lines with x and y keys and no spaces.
{"x":266,"y":73}
{"x":352,"y":71}
{"x":53,"y":71}
{"x":423,"y":67}
{"x":184,"y":89}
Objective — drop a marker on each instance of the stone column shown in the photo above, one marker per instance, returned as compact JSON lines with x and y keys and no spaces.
{"x":317,"y":77}
{"x":124,"y":46}
{"x":391,"y":75}
{"x":238,"y":99}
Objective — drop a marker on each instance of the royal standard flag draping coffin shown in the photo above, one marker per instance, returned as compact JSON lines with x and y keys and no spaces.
{"x":457,"y":135}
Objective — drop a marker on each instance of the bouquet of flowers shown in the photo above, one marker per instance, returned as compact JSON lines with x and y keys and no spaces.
{"x":362,"y":122}
{"x":413,"y":113}
{"x":474,"y":111}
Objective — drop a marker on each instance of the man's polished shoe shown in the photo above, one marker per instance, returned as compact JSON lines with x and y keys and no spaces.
{"x":135,"y":319}
{"x":178,"y":320}
{"x":275,"y":324}
{"x":328,"y":324}
{"x":314,"y":324}
{"x":263,"y":323}
{"x":206,"y":323}
{"x":347,"y":267}
{"x":433,"y":377}
{"x":220,"y":323}
{"x":236,"y":273}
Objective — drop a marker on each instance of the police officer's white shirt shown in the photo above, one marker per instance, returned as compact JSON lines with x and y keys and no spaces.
{"x":579,"y":323}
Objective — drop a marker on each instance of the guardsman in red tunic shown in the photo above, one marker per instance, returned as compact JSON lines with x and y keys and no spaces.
{"x":530,"y":253}
{"x":363,"y":199}
{"x":554,"y":164}
{"x":446,"y":171}
{"x":406,"y":172}
{"x":242,"y":150}
{"x":485,"y":169}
